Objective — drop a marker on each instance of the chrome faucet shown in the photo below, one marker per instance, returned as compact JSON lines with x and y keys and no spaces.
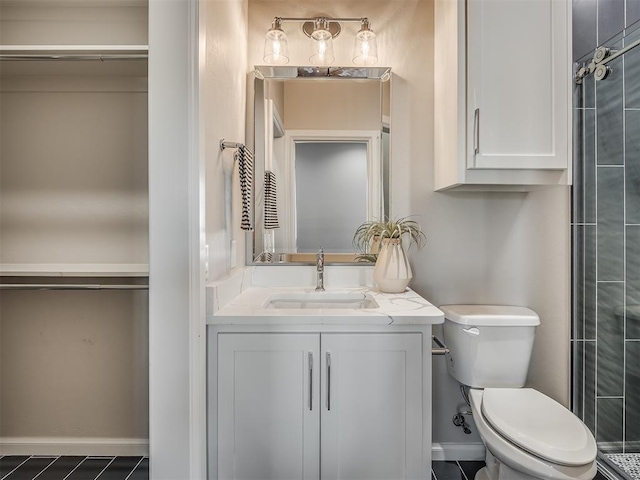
{"x":320,"y":270}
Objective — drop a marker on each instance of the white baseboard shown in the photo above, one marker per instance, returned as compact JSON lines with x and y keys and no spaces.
{"x":74,"y":446}
{"x":458,"y":451}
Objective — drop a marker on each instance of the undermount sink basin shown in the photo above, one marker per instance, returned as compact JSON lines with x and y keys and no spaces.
{"x":308,"y":300}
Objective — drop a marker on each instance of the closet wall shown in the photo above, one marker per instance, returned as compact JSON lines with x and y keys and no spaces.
{"x":73,"y":215}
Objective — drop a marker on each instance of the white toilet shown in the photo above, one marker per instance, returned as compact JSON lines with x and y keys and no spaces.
{"x":527,"y":435}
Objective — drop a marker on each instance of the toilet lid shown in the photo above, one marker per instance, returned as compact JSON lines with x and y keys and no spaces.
{"x":539,"y":425}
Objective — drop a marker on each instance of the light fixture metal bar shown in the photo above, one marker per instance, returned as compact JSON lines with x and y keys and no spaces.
{"x":330,"y":19}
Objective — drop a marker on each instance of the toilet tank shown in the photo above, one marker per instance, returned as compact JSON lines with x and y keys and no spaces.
{"x":489,"y":345}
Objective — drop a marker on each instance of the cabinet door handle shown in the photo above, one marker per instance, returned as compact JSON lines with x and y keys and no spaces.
{"x":476,"y":131}
{"x":328,"y":380}
{"x":310,"y":381}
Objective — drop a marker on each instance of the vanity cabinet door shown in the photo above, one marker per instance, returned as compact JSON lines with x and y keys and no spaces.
{"x":371,"y":406}
{"x":268,"y":406}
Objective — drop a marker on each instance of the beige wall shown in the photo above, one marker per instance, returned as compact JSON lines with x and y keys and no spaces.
{"x":74,"y":364}
{"x":510,"y":248}
{"x":93,"y":22}
{"x":332,"y":105}
{"x":74,"y":170}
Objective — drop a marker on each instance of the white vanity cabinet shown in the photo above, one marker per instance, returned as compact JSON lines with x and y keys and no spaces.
{"x":317,"y":404}
{"x":502,"y":94}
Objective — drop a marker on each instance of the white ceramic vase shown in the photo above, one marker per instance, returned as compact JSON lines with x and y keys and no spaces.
{"x":392,"y":272}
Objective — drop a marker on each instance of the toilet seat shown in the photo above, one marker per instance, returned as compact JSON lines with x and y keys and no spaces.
{"x":538,"y":425}
{"x":519,"y":459}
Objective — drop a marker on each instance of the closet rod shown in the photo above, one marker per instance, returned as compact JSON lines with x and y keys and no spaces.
{"x":69,"y":286}
{"x":73,"y":57}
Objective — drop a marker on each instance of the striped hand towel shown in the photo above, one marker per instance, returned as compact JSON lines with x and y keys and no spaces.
{"x":245,"y":165}
{"x":270,"y":201}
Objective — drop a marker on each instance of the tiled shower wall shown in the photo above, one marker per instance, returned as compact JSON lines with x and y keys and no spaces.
{"x":606,"y":216}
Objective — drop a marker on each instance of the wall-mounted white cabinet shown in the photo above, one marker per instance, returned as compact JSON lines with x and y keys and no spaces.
{"x":502,"y":94}
{"x":319,"y":404}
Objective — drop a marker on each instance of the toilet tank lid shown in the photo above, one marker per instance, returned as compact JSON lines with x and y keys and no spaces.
{"x":491,"y":315}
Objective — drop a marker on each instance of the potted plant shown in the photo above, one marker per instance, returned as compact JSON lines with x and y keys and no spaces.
{"x":381,"y":242}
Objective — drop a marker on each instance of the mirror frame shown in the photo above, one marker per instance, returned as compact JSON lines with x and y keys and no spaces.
{"x":304,"y":72}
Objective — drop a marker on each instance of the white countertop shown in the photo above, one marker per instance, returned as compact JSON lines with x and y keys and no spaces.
{"x":248,"y":308}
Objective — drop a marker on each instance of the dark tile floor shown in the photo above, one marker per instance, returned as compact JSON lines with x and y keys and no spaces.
{"x":460,"y":470}
{"x":137,"y":468}
{"x":453,"y":470}
{"x":14,"y":467}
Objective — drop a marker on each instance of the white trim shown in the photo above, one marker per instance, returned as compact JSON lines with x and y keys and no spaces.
{"x":85,"y":446}
{"x":197,"y":241}
{"x":458,"y":451}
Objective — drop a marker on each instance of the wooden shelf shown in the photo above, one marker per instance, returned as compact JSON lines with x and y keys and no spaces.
{"x":74,"y":270}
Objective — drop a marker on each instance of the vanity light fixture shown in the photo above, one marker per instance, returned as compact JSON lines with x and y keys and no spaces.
{"x":322,"y":31}
{"x":276,"y":46}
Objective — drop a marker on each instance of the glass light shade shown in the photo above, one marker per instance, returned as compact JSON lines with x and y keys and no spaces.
{"x":365,"y":48}
{"x":321,"y":48}
{"x":276,"y":47}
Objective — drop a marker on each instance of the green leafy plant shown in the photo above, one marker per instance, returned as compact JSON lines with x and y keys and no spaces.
{"x":373,"y":231}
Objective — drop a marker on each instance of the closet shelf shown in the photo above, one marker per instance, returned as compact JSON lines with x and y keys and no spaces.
{"x":74,"y":270}
{"x":70,"y":286}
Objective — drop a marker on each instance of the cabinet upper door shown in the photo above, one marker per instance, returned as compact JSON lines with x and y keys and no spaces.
{"x":518,"y":84}
{"x":268,"y":406}
{"x":371,"y":406}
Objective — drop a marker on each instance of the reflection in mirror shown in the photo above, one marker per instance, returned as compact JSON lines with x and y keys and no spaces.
{"x":322,"y":148}
{"x":329,"y":176}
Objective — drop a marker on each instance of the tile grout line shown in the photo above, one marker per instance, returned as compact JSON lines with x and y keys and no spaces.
{"x":107,"y":466}
{"x":134,"y":468}
{"x":75,"y":468}
{"x":53,"y":460}
{"x":461,"y":470}
{"x":17,"y":467}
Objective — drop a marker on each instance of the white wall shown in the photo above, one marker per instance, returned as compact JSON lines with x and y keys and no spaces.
{"x":176,"y":289}
{"x":224,"y":104}
{"x":510,"y":248}
{"x":197,"y":72}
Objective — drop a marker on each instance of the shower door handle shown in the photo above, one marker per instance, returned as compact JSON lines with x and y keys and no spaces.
{"x":476,"y":131}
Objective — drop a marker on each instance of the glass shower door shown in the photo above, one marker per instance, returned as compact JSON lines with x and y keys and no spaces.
{"x":606,"y":251}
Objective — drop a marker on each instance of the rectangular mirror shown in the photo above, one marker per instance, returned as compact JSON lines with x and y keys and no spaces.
{"x":321,"y":161}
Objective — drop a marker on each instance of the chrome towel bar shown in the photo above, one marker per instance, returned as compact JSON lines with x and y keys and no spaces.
{"x":442,"y":350}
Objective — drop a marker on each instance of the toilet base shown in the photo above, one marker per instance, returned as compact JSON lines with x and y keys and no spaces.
{"x":482,"y":474}
{"x":496,"y":470}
